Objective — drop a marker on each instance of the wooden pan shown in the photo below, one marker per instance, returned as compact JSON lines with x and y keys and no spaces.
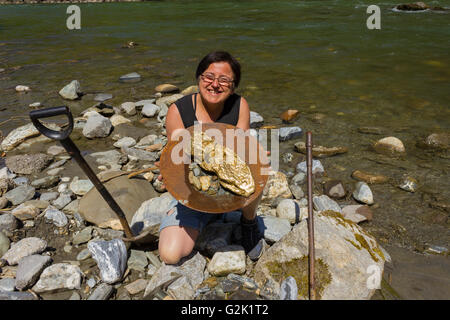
{"x":176,"y":175}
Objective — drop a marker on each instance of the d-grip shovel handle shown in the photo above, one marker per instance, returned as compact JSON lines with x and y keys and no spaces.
{"x":35,"y":115}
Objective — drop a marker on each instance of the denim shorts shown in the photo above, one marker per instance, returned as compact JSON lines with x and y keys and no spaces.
{"x":187,"y":217}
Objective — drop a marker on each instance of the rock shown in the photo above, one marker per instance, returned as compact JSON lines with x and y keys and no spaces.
{"x":273,"y":228}
{"x":256,"y":120}
{"x":230,"y":259}
{"x":290,"y":210}
{"x":28,"y":163}
{"x":59,"y":276}
{"x":4,"y":243}
{"x":71,"y":91}
{"x":17,"y":296}
{"x":276,"y":186}
{"x":289,"y":133}
{"x":25,"y":212}
{"x":320,"y":151}
{"x":288,"y":289}
{"x":130,"y":77}
{"x":297,"y":191}
{"x":409,"y":184}
{"x":150,"y":110}
{"x":20,"y":194}
{"x":97,"y":126}
{"x":22,"y":88}
{"x":83,"y":255}
{"x":29,"y":270}
{"x":357,"y":213}
{"x":182,"y":279}
{"x":418,"y":6}
{"x":20,"y":181}
{"x":57,"y":217}
{"x":129,"y":195}
{"x":317,"y":168}
{"x":3,"y":202}
{"x":110,"y":158}
{"x":8,"y":222}
{"x":140,"y":154}
{"x":345,"y":257}
{"x":389,"y":146}
{"x":140,"y":104}
{"x":324,"y":203}
{"x":101,"y":97}
{"x":437,"y":250}
{"x":63,"y":200}
{"x":125,"y":142}
{"x":117,"y":119}
{"x":166,"y":88}
{"x":136,"y":286}
{"x":363,"y":193}
{"x":334,"y":189}
{"x":46,"y":182}
{"x":299,"y":179}
{"x":7,"y":284}
{"x":102,"y":292}
{"x":289,"y":115}
{"x":137,"y":260}
{"x":168,"y":100}
{"x":20,"y":134}
{"x":83,"y":236}
{"x":111,"y":257}
{"x":24,"y":248}
{"x":150,"y":213}
{"x":190,"y":90}
{"x":57,"y":164}
{"x":368,"y":177}
{"x":129,"y":108}
{"x":438,"y":141}
{"x":80,"y":187}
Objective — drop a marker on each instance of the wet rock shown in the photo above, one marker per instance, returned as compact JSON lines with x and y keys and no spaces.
{"x":136,"y":286}
{"x":7,"y":284}
{"x":101,"y":97}
{"x":71,"y":91}
{"x":438,"y":141}
{"x":28,"y":163}
{"x":344,"y":252}
{"x":276,"y":186}
{"x":82,"y":236}
{"x":46,"y":182}
{"x":137,"y":260}
{"x":111,"y":257}
{"x":4,"y":243}
{"x":57,"y":217}
{"x":334,"y":189}
{"x":59,"y":276}
{"x":289,"y":133}
{"x":22,"y":88}
{"x":273,"y":228}
{"x":24,"y":248}
{"x":8,"y":222}
{"x":29,"y":270}
{"x":288,"y":289}
{"x":324,"y":203}
{"x":125,"y":142}
{"x":102,"y":292}
{"x":20,"y":134}
{"x":289,"y":115}
{"x":369,"y":177}
{"x":20,"y":194}
{"x":290,"y":209}
{"x":357,"y":213}
{"x":317,"y":168}
{"x":409,"y":184}
{"x":437,"y":250}
{"x":418,"y":6}
{"x":80,"y":187}
{"x":256,"y":120}
{"x":181,"y":279}
{"x":25,"y":212}
{"x":229,"y":259}
{"x":97,"y":126}
{"x":190,"y":90}
{"x":130,"y":77}
{"x":166,"y":88}
{"x":320,"y":151}
{"x":363,"y":193}
{"x":389,"y":146}
{"x":117,"y":119}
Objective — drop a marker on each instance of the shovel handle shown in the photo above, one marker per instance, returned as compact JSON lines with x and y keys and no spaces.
{"x":35,"y":115}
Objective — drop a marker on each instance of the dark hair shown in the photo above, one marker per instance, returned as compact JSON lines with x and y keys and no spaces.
{"x":220,"y":56}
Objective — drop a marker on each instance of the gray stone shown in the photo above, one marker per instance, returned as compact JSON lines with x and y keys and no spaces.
{"x":55,"y":150}
{"x":59,"y":276}
{"x":363,"y":193}
{"x":323,"y":203}
{"x":111,"y":157}
{"x":24,"y":248}
{"x":141,"y":103}
{"x":3,"y":202}
{"x":46,"y":182}
{"x":137,"y":260}
{"x":125,"y":142}
{"x":136,"y":286}
{"x":29,"y":270}
{"x":297,"y":191}
{"x":72,"y":207}
{"x":108,"y":234}
{"x":80,"y":187}
{"x":20,"y":194}
{"x":229,"y":259}
{"x":71,"y":91}
{"x":7,"y":284}
{"x":289,"y":133}
{"x":25,"y":212}
{"x":101,"y":97}
{"x":409,"y":184}
{"x":129,"y":108}
{"x":317,"y":168}
{"x":273,"y":228}
{"x":4,"y":243}
{"x":8,"y":222}
{"x":91,"y":282}
{"x":20,"y":134}
{"x":130,"y":77}
{"x":49,"y":196}
{"x":111,"y":257}
{"x":102,"y":292}
{"x":57,"y":217}
{"x":288,"y":289}
{"x":55,"y":172}
{"x":140,"y":154}
{"x":83,"y":236}
{"x":97,"y":126}
{"x":168,"y":100}
{"x":335,"y":189}
{"x":28,"y":163}
{"x":4,"y":295}
{"x":75,"y":296}
{"x":19,"y":181}
{"x":256,"y":120}
{"x":150,"y":110}
{"x":299,"y":179}
{"x":290,"y":209}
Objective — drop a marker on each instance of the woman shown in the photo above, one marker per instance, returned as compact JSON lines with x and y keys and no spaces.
{"x":218,"y":74}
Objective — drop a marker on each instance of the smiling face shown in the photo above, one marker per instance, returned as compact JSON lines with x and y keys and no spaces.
{"x":216,"y":92}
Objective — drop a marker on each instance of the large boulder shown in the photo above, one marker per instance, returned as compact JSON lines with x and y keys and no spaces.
{"x":348,"y":265}
{"x":129,"y":195}
{"x":28,"y":163}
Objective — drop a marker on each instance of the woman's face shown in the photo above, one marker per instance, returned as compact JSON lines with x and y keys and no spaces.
{"x":218,"y":90}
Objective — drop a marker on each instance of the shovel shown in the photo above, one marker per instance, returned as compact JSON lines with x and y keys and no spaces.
{"x":71,"y":148}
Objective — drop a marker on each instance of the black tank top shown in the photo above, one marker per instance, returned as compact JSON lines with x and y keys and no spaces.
{"x":230,"y":112}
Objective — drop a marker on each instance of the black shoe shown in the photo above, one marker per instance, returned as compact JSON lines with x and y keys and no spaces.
{"x":250,"y":235}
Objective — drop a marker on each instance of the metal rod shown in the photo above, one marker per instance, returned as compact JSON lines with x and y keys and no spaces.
{"x":72,"y":149}
{"x":311,"y":253}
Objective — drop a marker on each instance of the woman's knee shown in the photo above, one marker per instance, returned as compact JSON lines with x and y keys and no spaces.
{"x":175,"y":244}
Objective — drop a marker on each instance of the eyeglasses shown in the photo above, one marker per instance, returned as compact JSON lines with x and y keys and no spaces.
{"x":223,"y":80}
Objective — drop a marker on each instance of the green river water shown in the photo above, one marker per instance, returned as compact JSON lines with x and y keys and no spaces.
{"x":318,"y":57}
